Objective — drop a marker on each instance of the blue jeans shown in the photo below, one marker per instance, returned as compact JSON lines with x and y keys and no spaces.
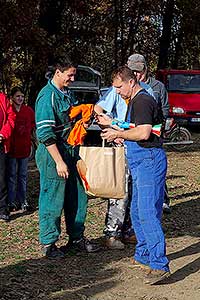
{"x":148,"y":169}
{"x":16,"y":178}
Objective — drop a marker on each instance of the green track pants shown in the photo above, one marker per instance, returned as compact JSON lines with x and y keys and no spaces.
{"x":57,"y":194}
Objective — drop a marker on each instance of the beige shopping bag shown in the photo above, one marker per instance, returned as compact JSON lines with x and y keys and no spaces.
{"x":102,"y":170}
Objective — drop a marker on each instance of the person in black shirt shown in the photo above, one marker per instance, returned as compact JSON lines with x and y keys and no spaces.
{"x":148,"y":166}
{"x":161,"y":97}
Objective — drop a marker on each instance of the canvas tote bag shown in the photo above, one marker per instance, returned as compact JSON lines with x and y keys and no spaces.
{"x":102,"y":170}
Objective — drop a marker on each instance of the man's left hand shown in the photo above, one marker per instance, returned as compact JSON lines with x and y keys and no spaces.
{"x":103,"y":119}
{"x":109,"y":134}
{"x":1,"y":138}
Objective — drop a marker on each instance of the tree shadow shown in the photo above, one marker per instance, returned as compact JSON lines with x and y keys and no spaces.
{"x":184,"y":218}
{"x":175,"y":176}
{"x":185,"y":195}
{"x":184,"y":221}
{"x":72,"y":278}
{"x":190,"y":250}
{"x":20,"y":213}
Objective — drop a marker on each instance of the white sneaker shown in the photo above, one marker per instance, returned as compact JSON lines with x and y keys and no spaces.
{"x":166,"y":208}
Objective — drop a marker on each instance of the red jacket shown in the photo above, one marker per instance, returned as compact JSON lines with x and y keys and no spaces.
{"x":20,"y":145}
{"x":8,"y":120}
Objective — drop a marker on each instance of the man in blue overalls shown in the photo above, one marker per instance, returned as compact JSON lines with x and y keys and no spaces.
{"x":113,"y":104}
{"x":148,"y":165}
{"x":60,"y":184}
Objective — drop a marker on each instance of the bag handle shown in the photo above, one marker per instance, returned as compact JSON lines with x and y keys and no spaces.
{"x":103,"y":143}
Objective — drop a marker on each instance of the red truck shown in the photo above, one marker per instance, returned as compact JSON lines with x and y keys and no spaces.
{"x":183,"y":88}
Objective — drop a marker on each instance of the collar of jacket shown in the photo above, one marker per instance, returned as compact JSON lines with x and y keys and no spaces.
{"x":57,"y":91}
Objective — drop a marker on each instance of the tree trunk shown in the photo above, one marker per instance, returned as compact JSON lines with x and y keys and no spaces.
{"x":166,"y":34}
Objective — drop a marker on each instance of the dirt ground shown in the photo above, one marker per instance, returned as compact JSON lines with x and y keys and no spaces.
{"x":108,"y":275}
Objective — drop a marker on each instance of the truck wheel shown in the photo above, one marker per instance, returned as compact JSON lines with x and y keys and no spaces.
{"x":179,"y":135}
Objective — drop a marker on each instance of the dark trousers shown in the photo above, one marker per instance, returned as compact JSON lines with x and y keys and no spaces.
{"x":166,"y":196}
{"x":3,"y":185}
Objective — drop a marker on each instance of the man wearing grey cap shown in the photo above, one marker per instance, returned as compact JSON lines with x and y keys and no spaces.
{"x":137,"y":62}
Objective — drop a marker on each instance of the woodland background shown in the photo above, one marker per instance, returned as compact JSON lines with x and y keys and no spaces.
{"x":101,"y":34}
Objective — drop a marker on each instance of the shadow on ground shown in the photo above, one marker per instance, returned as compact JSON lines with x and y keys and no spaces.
{"x":72,"y":278}
{"x":184,"y":219}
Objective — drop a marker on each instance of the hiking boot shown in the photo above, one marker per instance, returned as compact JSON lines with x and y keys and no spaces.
{"x":166,"y":209}
{"x":81,"y":245}
{"x":4,"y":217}
{"x":155,"y":276}
{"x":114,"y":244}
{"x":129,"y":239}
{"x":137,"y":264}
{"x":51,"y":251}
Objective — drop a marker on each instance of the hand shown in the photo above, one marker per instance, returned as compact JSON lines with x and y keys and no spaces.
{"x":119,"y":141}
{"x":62,"y":169}
{"x":103,"y":119}
{"x":85,"y":125}
{"x":109,"y":134}
{"x":1,"y":138}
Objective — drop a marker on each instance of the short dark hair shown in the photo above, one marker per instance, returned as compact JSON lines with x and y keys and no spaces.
{"x":124,"y":72}
{"x":61,"y":63}
{"x":16,"y":89}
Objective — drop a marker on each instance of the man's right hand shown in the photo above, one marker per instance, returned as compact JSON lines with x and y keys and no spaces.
{"x":62,"y":169}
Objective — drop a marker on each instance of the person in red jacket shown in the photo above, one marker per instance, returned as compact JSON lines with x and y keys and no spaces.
{"x":20,"y":148}
{"x":7,"y":122}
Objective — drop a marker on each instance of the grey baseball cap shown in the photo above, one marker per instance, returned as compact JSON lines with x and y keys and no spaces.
{"x":137,"y":62}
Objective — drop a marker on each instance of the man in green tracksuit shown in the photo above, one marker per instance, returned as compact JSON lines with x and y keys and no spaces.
{"x":60,"y":184}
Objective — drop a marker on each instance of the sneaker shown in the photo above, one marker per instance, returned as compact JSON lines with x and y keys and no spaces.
{"x":155,"y":276}
{"x":166,"y":208}
{"x":25,"y":207}
{"x":51,"y":251}
{"x":114,"y":244}
{"x":137,"y":264}
{"x":129,"y":239}
{"x":13,"y":207}
{"x":81,"y":245}
{"x":4,"y":217}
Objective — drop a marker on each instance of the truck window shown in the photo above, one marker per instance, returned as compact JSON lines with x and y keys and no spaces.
{"x":185,"y":83}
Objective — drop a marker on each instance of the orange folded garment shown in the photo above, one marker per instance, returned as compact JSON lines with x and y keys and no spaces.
{"x":78,"y":132}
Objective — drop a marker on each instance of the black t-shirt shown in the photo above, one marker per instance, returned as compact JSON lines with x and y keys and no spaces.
{"x":144,"y":110}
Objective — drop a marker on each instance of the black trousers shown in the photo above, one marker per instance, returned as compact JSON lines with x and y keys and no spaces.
{"x":3,"y":185}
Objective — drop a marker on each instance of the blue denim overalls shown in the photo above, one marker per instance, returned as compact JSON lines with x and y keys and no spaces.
{"x":148,"y":168}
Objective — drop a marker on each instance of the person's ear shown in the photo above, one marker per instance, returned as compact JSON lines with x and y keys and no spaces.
{"x":132,"y":82}
{"x":57,"y":72}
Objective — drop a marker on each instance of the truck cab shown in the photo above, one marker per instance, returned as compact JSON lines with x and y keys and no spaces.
{"x":183,"y":88}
